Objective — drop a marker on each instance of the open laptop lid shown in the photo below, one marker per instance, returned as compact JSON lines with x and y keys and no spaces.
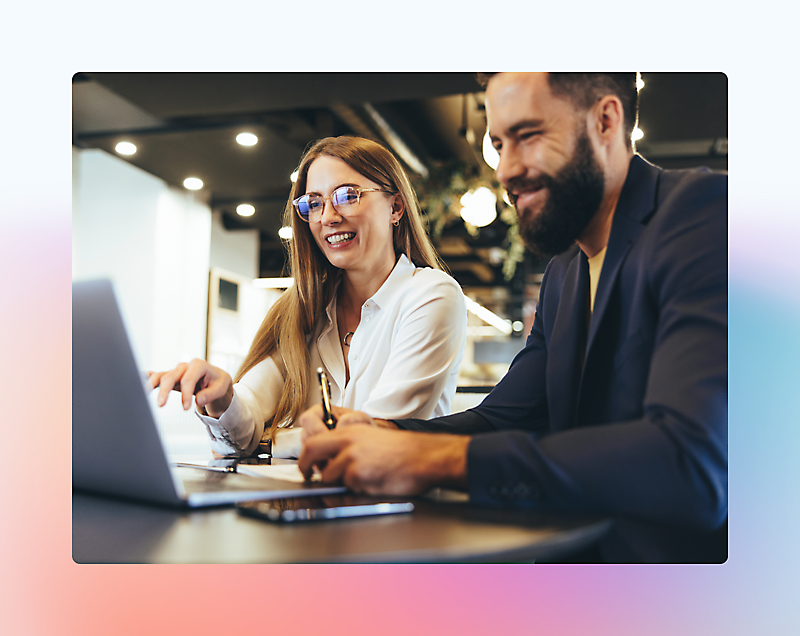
{"x":116,"y":448}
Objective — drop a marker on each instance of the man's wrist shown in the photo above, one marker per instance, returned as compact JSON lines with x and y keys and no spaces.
{"x":446,"y":462}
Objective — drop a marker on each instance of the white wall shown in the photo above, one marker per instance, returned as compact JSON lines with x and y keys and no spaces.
{"x":155,"y":242}
{"x":236,"y":251}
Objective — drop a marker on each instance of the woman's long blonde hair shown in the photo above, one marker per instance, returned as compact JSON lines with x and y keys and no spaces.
{"x":284,"y":332}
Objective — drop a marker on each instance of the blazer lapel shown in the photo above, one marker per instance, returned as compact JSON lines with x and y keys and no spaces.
{"x":569,"y":339}
{"x":636,"y":203}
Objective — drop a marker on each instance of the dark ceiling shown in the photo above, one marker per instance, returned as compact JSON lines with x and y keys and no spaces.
{"x":185,"y":124}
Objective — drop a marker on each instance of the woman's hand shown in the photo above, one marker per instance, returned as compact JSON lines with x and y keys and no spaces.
{"x":211,"y":386}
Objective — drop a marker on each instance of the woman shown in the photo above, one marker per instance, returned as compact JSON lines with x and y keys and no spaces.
{"x":369,"y":304}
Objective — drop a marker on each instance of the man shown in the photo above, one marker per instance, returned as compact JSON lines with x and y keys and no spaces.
{"x":618,"y":403}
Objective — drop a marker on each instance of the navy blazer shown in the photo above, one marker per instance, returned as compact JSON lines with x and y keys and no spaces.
{"x":629,"y":419}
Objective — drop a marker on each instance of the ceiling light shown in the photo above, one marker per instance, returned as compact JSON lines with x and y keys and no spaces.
{"x":639,"y":82}
{"x":286,"y":233}
{"x":273,"y":283}
{"x":637,"y":134}
{"x":517,"y":325}
{"x":125,"y":148}
{"x":480,"y":207}
{"x":247,"y":139}
{"x":490,"y":154}
{"x":294,"y":176}
{"x":245,"y":209}
{"x":192,"y":183}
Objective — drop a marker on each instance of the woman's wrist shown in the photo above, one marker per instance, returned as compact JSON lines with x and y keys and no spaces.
{"x":216,"y":408}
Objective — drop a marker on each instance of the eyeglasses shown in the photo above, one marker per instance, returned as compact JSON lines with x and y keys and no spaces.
{"x":344,"y":200}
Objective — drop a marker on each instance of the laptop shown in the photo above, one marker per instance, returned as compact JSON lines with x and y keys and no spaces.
{"x":116,"y":447}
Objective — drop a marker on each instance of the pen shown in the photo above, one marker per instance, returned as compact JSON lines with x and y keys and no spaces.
{"x":213,"y":469}
{"x":327,"y":415}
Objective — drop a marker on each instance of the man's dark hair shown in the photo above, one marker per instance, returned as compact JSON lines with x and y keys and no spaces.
{"x":584,"y":89}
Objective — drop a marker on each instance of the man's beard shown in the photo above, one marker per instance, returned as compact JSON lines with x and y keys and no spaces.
{"x":573,"y":198}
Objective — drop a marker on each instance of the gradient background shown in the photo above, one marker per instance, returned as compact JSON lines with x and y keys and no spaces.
{"x":43,"y":592}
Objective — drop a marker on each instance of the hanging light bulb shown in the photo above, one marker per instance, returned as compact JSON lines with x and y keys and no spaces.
{"x":480,"y":207}
{"x":490,"y":154}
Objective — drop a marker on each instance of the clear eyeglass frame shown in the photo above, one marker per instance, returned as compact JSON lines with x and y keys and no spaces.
{"x":339,"y":198}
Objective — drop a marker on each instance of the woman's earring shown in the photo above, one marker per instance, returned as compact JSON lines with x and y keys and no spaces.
{"x":396,"y":223}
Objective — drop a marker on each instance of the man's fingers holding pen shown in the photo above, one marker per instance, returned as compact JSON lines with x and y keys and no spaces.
{"x":375,"y":460}
{"x":319,"y":449}
{"x":358,"y":457}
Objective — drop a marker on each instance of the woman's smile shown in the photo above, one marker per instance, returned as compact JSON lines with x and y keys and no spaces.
{"x":338,"y":240}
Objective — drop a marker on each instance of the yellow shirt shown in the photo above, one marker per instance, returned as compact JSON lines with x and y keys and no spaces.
{"x":595,"y":265}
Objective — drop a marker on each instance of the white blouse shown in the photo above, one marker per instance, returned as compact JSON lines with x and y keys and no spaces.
{"x":404,"y":361}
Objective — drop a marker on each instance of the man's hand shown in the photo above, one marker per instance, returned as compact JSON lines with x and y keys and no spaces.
{"x":374,"y":460}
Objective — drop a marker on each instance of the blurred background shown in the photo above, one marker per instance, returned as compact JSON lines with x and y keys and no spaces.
{"x":180,"y":182}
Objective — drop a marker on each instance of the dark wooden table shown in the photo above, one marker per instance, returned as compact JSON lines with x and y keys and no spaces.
{"x":444,"y":528}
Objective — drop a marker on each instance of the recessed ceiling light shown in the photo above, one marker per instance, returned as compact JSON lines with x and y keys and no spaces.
{"x":245,"y":209}
{"x":247,"y":139}
{"x":125,"y":148}
{"x":637,"y":134}
{"x":286,"y":233}
{"x":192,"y":183}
